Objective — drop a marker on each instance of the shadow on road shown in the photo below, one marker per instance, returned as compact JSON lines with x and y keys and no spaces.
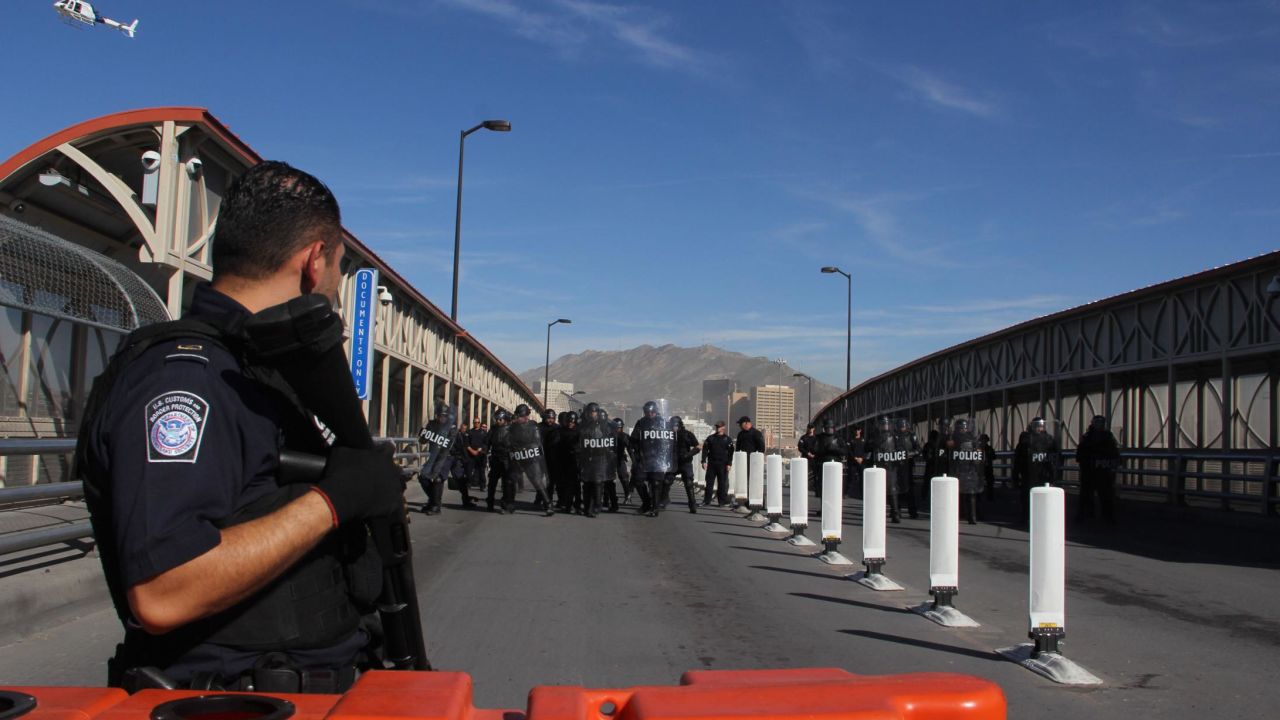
{"x":854,"y":603}
{"x":925,"y":644}
{"x":825,"y":576}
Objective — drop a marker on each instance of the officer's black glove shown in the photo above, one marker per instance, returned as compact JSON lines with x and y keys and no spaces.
{"x":361,"y":485}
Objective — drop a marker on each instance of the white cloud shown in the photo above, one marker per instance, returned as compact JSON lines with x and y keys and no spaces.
{"x":931,"y":88}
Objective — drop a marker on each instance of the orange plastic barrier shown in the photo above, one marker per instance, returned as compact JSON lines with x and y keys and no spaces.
{"x":63,"y":703}
{"x":702,"y":695}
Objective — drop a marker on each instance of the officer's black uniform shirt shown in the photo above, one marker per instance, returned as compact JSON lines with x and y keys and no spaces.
{"x":717,"y":449}
{"x":750,"y":441}
{"x":190,"y":441}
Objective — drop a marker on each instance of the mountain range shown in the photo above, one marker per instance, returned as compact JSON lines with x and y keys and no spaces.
{"x":631,"y":377}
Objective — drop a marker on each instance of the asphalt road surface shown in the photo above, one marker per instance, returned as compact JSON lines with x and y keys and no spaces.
{"x":1176,"y":612}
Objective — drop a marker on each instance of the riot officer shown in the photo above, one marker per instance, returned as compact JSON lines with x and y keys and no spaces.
{"x":966,"y":460}
{"x":596,"y":453}
{"x":568,"y":485}
{"x":497,"y":453}
{"x":935,"y":458}
{"x":550,"y":430}
{"x":857,"y":460}
{"x":526,"y":456}
{"x":1021,"y":472}
{"x":1042,"y":454}
{"x":228,"y":561}
{"x":439,"y":438}
{"x":828,"y":447}
{"x":626,"y":465}
{"x":655,"y":448}
{"x":805,"y":448}
{"x":717,"y":459}
{"x":884,"y":453}
{"x":988,"y":466}
{"x":608,"y":491}
{"x":686,"y":447}
{"x":905,"y":439}
{"x":1098,"y":457}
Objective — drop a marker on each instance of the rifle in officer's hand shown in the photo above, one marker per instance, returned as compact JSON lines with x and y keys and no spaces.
{"x":302,"y":339}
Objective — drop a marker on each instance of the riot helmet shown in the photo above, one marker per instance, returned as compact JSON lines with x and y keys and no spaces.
{"x":548,"y":415}
{"x":617,"y":423}
{"x":1099,"y":422}
{"x":590,"y":410}
{"x":962,"y":426}
{"x":828,"y":426}
{"x":1038,"y":425}
{"x":884,"y":425}
{"x":501,"y":416}
{"x":562,"y":417}
{"x":675,"y":423}
{"x":944,"y":425}
{"x":651,"y":407}
{"x":522,"y":410}
{"x":443,"y":410}
{"x":901,"y":425}
{"x":570,"y":418}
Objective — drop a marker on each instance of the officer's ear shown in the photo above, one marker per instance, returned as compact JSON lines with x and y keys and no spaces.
{"x":314,"y":258}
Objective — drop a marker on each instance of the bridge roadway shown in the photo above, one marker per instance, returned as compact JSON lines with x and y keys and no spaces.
{"x":1177,"y":627}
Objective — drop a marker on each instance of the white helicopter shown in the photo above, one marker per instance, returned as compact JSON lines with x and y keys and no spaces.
{"x":79,"y":12}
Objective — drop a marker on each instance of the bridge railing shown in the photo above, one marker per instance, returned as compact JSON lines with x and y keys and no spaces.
{"x":408,"y":455}
{"x":1236,"y":480}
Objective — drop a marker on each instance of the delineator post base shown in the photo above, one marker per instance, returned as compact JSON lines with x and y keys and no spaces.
{"x":1049,"y":664}
{"x":875,"y":581}
{"x":945,"y":615}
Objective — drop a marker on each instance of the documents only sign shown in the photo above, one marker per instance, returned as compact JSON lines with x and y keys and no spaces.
{"x":362,"y":330}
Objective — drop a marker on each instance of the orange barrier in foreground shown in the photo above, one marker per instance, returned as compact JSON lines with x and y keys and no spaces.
{"x":701,"y":695}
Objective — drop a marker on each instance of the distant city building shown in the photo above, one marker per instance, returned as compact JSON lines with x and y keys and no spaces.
{"x":699,"y":428}
{"x":717,"y":400}
{"x":741,"y":406}
{"x":558,"y":394}
{"x":773,"y":411}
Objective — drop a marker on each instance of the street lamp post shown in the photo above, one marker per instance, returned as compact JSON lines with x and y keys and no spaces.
{"x":546,"y":369}
{"x":808,"y":381}
{"x":496,"y":126}
{"x":848,"y":338}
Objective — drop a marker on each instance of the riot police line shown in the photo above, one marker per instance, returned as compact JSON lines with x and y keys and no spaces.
{"x":573,"y":462}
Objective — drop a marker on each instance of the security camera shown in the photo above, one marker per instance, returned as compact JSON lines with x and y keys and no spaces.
{"x":150,"y":161}
{"x":17,"y":207}
{"x":384,"y":295}
{"x":193,"y":167}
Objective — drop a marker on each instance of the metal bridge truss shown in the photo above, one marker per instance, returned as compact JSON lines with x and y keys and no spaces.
{"x":1186,"y":371}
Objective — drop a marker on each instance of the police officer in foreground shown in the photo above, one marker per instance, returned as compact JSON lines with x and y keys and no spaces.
{"x":749,"y":440}
{"x":550,"y":430}
{"x":884,"y":453}
{"x":625,"y":463}
{"x":717,"y":459}
{"x":565,"y":460}
{"x":655,"y":447}
{"x":829,"y":447}
{"x":805,"y":448}
{"x":906,"y":440}
{"x":1042,"y":461}
{"x":596,"y":454}
{"x":228,"y":567}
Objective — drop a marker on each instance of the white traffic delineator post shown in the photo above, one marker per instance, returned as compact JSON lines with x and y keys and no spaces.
{"x":873,"y":532}
{"x":773,"y":494}
{"x":944,"y":554}
{"x":755,"y":485}
{"x":738,"y":479}
{"x":799,"y":502}
{"x":1048,"y":613}
{"x":832,"y":513}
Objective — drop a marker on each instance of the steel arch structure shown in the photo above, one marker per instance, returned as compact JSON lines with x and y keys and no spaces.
{"x":1183,"y":369}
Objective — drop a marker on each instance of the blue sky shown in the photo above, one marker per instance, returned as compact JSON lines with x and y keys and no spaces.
{"x":679,"y":171}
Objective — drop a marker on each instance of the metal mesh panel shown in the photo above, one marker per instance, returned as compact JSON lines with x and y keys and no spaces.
{"x":45,"y":274}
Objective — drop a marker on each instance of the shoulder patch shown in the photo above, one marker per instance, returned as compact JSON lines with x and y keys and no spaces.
{"x":175,"y":426}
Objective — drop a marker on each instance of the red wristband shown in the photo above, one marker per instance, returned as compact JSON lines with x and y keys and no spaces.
{"x":333,"y":513}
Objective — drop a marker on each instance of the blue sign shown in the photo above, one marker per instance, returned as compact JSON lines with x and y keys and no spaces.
{"x":362,"y":330}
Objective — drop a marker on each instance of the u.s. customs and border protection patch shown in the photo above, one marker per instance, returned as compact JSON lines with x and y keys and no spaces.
{"x":175,"y":426}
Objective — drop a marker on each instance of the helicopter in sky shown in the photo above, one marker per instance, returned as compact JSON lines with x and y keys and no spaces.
{"x":79,"y":12}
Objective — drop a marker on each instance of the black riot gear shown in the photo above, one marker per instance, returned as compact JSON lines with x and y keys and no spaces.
{"x":502,"y":416}
{"x":596,"y":450}
{"x":618,"y":424}
{"x":650,"y":407}
{"x":967,"y":459}
{"x":1099,"y":457}
{"x":548,"y":414}
{"x":655,"y":448}
{"x":526,"y":459}
{"x":570,"y":418}
{"x":439,"y":438}
{"x":522,"y":410}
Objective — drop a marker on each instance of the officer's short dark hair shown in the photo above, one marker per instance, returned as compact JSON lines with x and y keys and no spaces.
{"x":268,"y":214}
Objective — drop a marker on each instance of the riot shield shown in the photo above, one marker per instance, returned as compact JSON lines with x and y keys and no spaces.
{"x":654,"y":442}
{"x":966,"y":462}
{"x":1042,"y":455}
{"x":597,"y":451}
{"x":526,"y":460}
{"x":436,"y":440}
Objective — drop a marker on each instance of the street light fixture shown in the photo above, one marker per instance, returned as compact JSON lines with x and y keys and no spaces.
{"x":848,"y":338}
{"x":546,"y":369}
{"x":809,"y":382}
